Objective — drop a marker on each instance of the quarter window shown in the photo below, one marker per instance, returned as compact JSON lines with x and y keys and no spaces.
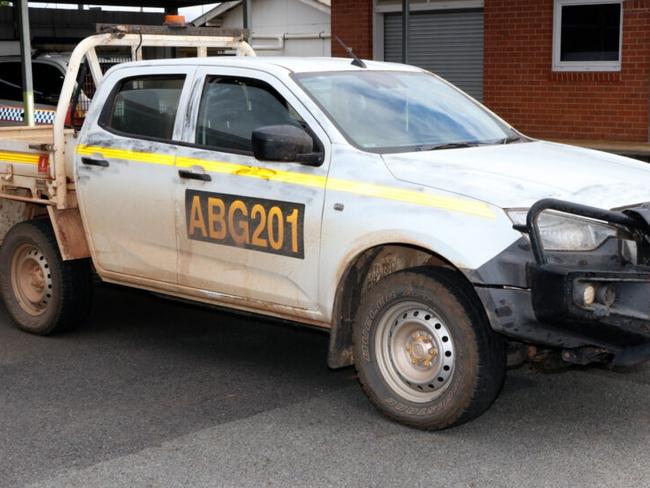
{"x":145,"y":107}
{"x":232,"y":108}
{"x":587,"y":35}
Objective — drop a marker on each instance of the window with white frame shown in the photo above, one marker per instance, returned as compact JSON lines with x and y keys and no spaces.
{"x":587,"y":35}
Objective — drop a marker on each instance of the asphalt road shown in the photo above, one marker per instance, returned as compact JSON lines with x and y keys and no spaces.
{"x":154,"y":393}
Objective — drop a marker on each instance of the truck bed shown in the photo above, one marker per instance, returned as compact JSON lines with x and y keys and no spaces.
{"x":22,"y":148}
{"x":33,"y":135}
{"x":36,"y":163}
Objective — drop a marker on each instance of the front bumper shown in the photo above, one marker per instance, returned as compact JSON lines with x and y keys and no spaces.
{"x":547,"y":305}
{"x":619,"y":314}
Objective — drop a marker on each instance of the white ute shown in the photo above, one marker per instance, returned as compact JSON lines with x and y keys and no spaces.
{"x":372,"y":200}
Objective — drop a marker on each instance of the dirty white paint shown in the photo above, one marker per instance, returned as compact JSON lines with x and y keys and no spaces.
{"x":150,"y":219}
{"x":517,"y":175}
{"x":134,"y":211}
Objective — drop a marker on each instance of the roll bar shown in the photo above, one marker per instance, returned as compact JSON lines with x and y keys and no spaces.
{"x":86,"y":49}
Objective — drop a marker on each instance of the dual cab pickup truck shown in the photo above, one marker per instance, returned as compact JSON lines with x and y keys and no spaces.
{"x":372,"y":200}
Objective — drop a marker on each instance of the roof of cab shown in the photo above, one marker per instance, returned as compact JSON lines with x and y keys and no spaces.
{"x":269,"y":63}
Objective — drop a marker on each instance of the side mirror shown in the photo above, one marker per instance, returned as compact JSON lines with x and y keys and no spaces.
{"x":285,"y":143}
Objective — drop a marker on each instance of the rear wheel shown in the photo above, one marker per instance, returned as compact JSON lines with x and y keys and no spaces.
{"x":424,"y":351}
{"x":42,"y":293}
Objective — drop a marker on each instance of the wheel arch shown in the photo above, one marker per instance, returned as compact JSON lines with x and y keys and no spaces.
{"x":66,"y":223}
{"x":13,"y":212}
{"x":364,"y":270}
{"x":70,"y":234}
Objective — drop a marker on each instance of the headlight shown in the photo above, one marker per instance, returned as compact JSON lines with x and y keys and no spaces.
{"x":563,"y":232}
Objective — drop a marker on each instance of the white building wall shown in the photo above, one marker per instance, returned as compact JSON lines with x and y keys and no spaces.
{"x":273,"y":19}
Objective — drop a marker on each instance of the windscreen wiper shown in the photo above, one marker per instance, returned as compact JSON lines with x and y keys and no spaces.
{"x":456,"y":145}
{"x":513,"y":138}
{"x":447,"y":145}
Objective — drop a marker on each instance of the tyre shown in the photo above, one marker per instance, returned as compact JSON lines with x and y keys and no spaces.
{"x":42,"y":293}
{"x":424,"y":351}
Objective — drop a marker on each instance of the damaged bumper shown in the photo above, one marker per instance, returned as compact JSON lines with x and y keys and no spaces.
{"x":611,"y":306}
{"x":586,"y":302}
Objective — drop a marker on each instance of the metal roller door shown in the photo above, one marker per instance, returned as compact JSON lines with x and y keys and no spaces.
{"x":449,"y":43}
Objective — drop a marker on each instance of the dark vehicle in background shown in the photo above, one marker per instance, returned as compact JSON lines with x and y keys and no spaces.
{"x":48,"y":72}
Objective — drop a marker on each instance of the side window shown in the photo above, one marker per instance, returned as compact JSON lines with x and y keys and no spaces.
{"x":11,"y":82}
{"x":48,"y":81}
{"x":587,"y":35}
{"x":232,"y":108}
{"x":144,"y":106}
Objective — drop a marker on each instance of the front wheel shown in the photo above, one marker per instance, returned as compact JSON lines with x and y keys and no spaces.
{"x":42,"y":293}
{"x":424,"y":352}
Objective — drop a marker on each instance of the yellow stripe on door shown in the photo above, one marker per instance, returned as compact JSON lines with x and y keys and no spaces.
{"x":451,"y":203}
{"x":127,"y":155}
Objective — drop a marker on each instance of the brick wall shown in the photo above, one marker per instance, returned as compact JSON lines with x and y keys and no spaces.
{"x":519,"y":82}
{"x":521,"y":86}
{"x":352,"y":22}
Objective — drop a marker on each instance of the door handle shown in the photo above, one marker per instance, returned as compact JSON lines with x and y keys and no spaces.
{"x":190,"y":175}
{"x":95,"y":162}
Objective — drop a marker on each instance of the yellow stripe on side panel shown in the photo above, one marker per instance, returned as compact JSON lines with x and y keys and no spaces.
{"x":127,"y":155}
{"x":19,"y":158}
{"x":279,"y":176}
{"x":454,"y":204}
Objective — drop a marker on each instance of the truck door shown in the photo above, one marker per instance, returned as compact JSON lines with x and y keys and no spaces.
{"x":126,"y":175}
{"x":248,"y":230}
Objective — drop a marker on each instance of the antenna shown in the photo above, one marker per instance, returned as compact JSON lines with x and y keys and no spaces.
{"x":356,"y":61}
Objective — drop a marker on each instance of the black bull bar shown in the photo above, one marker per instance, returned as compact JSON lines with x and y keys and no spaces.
{"x":620,"y":312}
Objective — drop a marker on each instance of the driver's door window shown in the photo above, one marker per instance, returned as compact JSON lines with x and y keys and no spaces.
{"x":232,"y":108}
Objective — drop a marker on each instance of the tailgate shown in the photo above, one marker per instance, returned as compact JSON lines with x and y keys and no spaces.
{"x":26,"y":151}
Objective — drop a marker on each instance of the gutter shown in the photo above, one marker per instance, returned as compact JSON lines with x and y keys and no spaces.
{"x":281,"y":38}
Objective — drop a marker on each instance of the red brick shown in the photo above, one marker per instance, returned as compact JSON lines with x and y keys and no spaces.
{"x":521,"y":86}
{"x":352,"y":22}
{"x":519,"y":83}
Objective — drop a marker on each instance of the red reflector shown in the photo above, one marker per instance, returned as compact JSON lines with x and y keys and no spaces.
{"x":44,"y":163}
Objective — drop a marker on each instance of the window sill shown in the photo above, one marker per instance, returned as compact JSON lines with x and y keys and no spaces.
{"x":608,"y":67}
{"x":599,"y":76}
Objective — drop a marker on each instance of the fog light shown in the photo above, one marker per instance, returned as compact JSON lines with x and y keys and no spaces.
{"x":607,"y":295}
{"x":585,"y":294}
{"x":589,"y":294}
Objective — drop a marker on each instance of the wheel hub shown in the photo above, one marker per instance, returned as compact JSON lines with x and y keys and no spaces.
{"x":421,"y":349}
{"x":415,"y":351}
{"x":31,"y":279}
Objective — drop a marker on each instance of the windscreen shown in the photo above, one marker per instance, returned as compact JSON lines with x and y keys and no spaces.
{"x":391,"y":111}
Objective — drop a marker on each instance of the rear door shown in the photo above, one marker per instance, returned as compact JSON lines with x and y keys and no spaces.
{"x":125,"y":172}
{"x":248,"y":230}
